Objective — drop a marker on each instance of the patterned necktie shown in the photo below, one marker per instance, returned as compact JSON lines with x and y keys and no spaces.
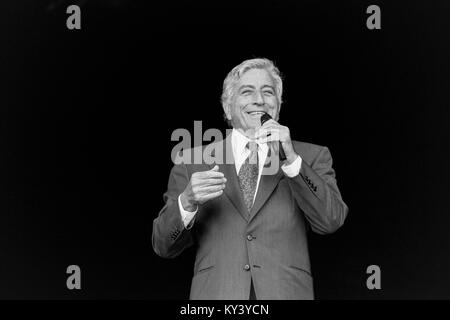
{"x":248,"y":175}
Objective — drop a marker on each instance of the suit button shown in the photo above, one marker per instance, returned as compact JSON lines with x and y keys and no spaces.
{"x":249,"y":237}
{"x":246,"y":267}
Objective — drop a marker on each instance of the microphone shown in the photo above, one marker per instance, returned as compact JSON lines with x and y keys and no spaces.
{"x":264,"y":118}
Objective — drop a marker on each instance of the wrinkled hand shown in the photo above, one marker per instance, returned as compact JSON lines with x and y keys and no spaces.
{"x":272,"y":131}
{"x":203,"y":186}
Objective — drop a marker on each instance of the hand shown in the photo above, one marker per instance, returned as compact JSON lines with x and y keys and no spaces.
{"x":272,"y":131}
{"x":203,"y":186}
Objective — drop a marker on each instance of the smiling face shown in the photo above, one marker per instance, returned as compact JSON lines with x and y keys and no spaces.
{"x":254,"y":94}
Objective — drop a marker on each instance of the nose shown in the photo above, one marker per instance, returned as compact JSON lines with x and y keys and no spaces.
{"x":259,"y":98}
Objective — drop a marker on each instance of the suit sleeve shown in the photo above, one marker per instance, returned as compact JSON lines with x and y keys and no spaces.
{"x":316,"y":193}
{"x":169,"y":236}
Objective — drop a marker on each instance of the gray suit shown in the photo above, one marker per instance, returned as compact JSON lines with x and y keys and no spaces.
{"x":271,"y":246}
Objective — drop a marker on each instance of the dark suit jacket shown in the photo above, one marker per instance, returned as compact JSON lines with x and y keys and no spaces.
{"x":271,"y":246}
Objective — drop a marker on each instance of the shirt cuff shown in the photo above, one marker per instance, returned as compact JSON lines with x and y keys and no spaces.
{"x":292,"y":169}
{"x":186,"y":216}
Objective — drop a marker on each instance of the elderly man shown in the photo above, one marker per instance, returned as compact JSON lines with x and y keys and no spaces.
{"x":250,"y":228}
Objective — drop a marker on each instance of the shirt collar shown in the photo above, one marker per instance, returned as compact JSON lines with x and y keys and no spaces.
{"x":239,"y":142}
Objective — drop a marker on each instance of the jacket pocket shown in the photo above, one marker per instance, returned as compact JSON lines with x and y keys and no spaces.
{"x":301,"y":269}
{"x":201,"y":284}
{"x":204,"y":269}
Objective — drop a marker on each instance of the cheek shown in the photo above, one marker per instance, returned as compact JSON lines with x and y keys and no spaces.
{"x":236,"y":112}
{"x":272,"y":101}
{"x":239,"y":105}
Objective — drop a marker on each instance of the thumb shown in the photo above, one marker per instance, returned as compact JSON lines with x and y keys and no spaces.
{"x":216,"y":168}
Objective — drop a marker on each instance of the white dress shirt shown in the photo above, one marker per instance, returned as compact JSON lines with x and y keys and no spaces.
{"x":240,"y":154}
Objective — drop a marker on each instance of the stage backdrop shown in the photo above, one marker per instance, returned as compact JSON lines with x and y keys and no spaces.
{"x":87,"y":116}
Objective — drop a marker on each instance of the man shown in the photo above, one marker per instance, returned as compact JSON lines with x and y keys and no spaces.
{"x":250,"y":228}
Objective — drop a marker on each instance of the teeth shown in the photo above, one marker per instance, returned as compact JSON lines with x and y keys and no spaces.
{"x":256,"y":112}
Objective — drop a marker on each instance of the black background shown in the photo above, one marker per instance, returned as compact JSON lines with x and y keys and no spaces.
{"x":87,"y":116}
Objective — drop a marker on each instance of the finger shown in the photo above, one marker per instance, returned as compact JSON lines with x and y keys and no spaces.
{"x":212,"y":174}
{"x":271,"y":123}
{"x":268,"y":139}
{"x":268,"y":123}
{"x":209,"y":173}
{"x":211,"y":196}
{"x":271,"y":128}
{"x":267,"y":132}
{"x":210,"y":181}
{"x":211,"y":189}
{"x":214,"y":169}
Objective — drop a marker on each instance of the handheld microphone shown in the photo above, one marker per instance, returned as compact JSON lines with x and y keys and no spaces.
{"x":264,"y":118}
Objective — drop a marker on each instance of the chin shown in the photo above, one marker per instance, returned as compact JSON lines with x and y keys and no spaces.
{"x":254,"y":125}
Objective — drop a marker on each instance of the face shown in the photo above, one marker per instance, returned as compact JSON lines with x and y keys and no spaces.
{"x":254,"y":94}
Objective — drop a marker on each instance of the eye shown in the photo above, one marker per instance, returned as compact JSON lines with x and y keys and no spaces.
{"x":245,"y":92}
{"x":269,"y":92}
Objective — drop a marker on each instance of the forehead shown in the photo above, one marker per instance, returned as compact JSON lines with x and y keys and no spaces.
{"x":256,"y":77}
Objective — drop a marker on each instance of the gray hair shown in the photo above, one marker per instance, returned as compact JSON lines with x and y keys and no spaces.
{"x":229,"y":84}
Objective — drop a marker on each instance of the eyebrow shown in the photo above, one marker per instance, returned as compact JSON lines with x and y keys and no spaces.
{"x":267,"y":86}
{"x":253,"y":87}
{"x":246,"y":86}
